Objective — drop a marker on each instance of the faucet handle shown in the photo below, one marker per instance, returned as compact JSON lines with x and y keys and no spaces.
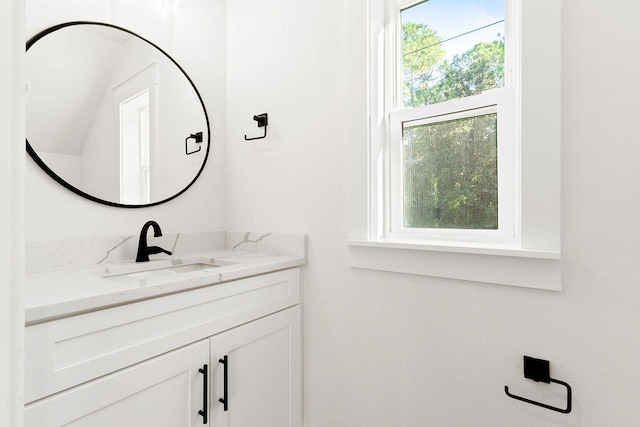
{"x":157,"y":249}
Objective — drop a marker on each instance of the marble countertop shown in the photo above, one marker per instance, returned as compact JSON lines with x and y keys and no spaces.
{"x":56,"y":294}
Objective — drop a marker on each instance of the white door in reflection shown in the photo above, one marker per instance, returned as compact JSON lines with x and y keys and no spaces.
{"x":135,"y":164}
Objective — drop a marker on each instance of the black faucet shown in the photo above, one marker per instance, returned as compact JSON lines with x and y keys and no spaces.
{"x":143,"y":250}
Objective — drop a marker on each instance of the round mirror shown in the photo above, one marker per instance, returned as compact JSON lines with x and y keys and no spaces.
{"x":111,"y":116}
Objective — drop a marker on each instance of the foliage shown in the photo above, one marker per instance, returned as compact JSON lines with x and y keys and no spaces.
{"x":450,"y":168}
{"x":479,"y":69}
{"x":419,"y":62}
{"x":452,"y":184}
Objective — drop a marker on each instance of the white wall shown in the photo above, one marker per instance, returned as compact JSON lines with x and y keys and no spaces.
{"x":385,"y":349}
{"x":12,"y":119}
{"x":54,"y":212}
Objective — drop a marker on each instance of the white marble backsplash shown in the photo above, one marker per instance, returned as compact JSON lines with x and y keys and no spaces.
{"x":73,"y":254}
{"x":267,"y":243}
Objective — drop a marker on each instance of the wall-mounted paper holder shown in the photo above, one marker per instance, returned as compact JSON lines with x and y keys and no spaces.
{"x":263,"y":121}
{"x":538,"y":370}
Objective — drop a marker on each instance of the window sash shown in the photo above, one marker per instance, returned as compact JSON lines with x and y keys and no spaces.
{"x":498,"y":101}
{"x":393,"y":68}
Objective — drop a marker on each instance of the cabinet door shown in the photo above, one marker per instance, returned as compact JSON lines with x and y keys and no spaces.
{"x":263,"y":373}
{"x":165,"y":391}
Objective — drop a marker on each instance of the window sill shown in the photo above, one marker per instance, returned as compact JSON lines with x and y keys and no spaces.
{"x":503,"y":265}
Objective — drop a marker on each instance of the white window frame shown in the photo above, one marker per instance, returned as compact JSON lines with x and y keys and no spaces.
{"x":530,"y":256}
{"x":500,"y":100}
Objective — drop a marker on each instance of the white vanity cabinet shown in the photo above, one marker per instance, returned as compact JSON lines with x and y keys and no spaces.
{"x":142,"y":364}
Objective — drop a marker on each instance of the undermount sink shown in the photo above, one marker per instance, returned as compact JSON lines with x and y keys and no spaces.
{"x":156,"y":269}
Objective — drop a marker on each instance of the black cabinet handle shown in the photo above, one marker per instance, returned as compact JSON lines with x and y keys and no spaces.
{"x":224,"y":400}
{"x":205,"y":393}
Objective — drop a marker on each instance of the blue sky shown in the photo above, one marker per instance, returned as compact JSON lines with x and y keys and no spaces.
{"x":450,"y":18}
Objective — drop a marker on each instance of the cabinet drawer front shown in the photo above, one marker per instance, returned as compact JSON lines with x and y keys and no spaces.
{"x":63,"y":353}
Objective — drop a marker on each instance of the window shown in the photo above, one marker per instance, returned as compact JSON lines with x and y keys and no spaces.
{"x":458,"y":172}
{"x":451,"y":141}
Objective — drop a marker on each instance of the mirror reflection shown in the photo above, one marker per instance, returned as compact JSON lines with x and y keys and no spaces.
{"x":112,"y":117}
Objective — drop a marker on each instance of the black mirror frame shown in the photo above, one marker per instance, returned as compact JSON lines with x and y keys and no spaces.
{"x":81,"y":193}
